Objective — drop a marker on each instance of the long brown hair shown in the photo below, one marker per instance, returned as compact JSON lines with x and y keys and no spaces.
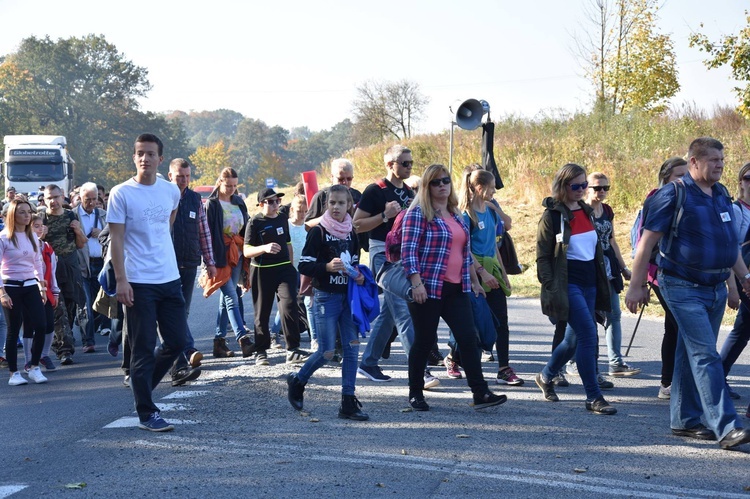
{"x":10,"y":225}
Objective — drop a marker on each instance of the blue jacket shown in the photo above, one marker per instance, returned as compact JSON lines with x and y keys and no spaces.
{"x":363,"y":301}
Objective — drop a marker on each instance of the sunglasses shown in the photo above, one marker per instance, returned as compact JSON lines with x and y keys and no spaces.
{"x":746,"y":178}
{"x":437,"y":181}
{"x":273,"y":201}
{"x":345,"y":179}
{"x":578,"y":187}
{"x":405,"y":164}
{"x":598,"y":188}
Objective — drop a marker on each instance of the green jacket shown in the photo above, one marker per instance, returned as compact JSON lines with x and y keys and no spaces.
{"x":552,"y":261}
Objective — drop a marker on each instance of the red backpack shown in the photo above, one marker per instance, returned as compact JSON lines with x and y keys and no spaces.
{"x":393,"y":239}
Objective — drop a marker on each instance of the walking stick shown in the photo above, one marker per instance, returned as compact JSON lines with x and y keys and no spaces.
{"x":643,"y":307}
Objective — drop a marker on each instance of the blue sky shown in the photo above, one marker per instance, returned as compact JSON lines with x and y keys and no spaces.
{"x":297,"y":63}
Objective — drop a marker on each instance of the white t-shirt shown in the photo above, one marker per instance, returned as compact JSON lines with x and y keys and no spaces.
{"x":145,"y":211}
{"x":299,"y":236}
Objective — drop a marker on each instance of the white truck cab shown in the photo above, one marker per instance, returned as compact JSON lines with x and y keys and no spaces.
{"x":34,"y":161}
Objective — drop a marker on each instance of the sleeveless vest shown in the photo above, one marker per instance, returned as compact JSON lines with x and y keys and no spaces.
{"x":185,"y":231}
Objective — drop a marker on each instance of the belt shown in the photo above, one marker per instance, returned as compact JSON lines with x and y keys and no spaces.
{"x":19,"y":284}
{"x":676,"y":276}
{"x":96,"y":259}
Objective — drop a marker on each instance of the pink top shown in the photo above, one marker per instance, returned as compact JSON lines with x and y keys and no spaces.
{"x":456,"y":253}
{"x":20,"y":263}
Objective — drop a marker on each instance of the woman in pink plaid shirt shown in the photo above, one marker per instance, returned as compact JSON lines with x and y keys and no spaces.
{"x":437,"y":261}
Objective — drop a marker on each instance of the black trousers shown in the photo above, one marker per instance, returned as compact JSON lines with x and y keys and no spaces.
{"x":28,"y":310}
{"x":455,"y":309}
{"x":271,"y":283}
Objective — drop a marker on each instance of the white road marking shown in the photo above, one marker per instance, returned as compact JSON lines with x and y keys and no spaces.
{"x":598,"y":485}
{"x":9,"y":490}
{"x":184,"y":394}
{"x":132,"y":422}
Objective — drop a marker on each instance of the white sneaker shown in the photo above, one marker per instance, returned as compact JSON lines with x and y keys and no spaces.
{"x":430,"y":381}
{"x":16,"y":379}
{"x":665,"y":392}
{"x":36,"y":375}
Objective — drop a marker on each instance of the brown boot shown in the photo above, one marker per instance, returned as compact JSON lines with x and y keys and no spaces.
{"x":247,"y":346}
{"x":221,"y":350}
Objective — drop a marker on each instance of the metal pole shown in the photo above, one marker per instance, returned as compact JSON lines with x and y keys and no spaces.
{"x":450,"y":158}
{"x":643,"y":307}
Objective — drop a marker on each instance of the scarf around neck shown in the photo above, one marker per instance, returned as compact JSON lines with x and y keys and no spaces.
{"x":336,"y":228}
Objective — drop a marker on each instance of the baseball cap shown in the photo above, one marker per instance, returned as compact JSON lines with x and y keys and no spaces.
{"x":268,"y":193}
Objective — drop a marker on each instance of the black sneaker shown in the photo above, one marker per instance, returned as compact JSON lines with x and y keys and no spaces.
{"x":296,"y":356}
{"x":434,"y":358}
{"x":548,"y":389}
{"x":488,"y":400}
{"x":373,"y":373}
{"x":184,"y":375}
{"x":261,"y":358}
{"x":604,"y":384}
{"x":66,"y":359}
{"x":600,"y":406}
{"x":419,"y":404}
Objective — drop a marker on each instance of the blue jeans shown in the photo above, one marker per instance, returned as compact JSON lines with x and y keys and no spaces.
{"x":332,"y":313}
{"x":91,"y":288}
{"x":698,"y":387}
{"x":393,"y":311}
{"x":310,"y":318}
{"x":613,"y":328}
{"x":580,"y":340}
{"x":230,"y":301}
{"x":187,"y":282}
{"x":739,"y":336}
{"x":154,"y":304}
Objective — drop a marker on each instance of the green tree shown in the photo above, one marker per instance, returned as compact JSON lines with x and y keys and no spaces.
{"x":85,"y":89}
{"x":735,"y":51}
{"x":631,"y":65}
{"x":253,"y":139}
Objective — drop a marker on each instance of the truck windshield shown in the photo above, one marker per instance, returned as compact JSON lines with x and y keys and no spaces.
{"x":20,"y":172}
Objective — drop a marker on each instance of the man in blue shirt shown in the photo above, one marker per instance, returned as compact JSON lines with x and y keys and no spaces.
{"x":694,"y":265}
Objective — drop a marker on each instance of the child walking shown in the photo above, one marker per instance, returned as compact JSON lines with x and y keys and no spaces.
{"x":330,"y":257}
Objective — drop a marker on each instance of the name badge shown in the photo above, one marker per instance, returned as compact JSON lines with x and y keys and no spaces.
{"x":725,"y":217}
{"x":559,"y":237}
{"x":280,"y":231}
{"x":192,"y":214}
{"x":481,"y":225}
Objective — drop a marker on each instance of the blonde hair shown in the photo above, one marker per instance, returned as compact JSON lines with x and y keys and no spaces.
{"x":424,"y":198}
{"x":473,"y":180}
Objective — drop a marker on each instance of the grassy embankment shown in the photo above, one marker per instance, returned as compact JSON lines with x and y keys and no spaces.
{"x":628,"y":149}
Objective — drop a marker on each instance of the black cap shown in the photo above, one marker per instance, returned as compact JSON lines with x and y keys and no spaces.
{"x":268,"y":193}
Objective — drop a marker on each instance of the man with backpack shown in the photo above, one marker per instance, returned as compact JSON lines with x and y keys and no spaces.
{"x":697,"y":255}
{"x":380,"y":204}
{"x":66,"y":236}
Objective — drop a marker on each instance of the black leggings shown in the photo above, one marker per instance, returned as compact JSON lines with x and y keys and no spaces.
{"x":669,"y":342}
{"x":455,"y":309}
{"x":28,"y":310}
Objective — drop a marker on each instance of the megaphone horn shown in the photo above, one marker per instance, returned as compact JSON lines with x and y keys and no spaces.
{"x":469,"y":114}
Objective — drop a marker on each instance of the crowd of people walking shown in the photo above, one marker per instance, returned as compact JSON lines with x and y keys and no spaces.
{"x":125,"y":263}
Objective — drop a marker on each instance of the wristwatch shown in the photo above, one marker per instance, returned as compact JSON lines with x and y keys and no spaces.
{"x":385,"y":218}
{"x":747,"y":276}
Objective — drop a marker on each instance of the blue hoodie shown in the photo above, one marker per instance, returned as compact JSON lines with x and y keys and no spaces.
{"x":364,"y":301}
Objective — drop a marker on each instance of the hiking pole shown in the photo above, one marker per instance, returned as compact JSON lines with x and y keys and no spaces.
{"x":643,"y":307}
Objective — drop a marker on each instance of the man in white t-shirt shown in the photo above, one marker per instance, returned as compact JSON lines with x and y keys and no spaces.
{"x":141,"y":211}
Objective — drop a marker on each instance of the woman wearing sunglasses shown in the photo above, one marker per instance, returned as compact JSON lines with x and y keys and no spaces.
{"x":437,"y":260}
{"x":616,"y":271}
{"x":570,"y":267}
{"x":740,"y":334}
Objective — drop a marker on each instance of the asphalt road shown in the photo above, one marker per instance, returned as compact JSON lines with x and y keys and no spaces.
{"x":237,"y":436}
